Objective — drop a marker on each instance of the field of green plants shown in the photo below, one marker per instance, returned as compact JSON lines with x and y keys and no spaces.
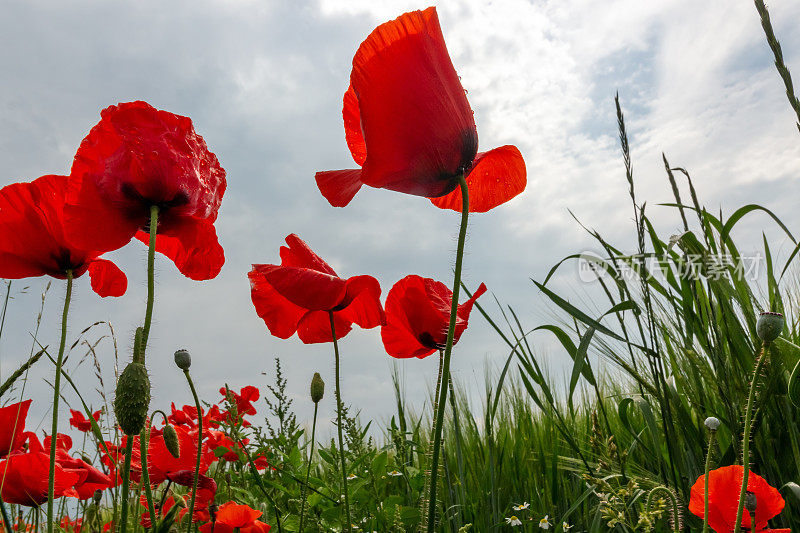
{"x":681,"y":411}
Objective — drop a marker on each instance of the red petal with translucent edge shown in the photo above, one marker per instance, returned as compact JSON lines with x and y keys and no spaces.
{"x":352,"y":127}
{"x":417,"y":125}
{"x":315,"y":327}
{"x":400,"y":343}
{"x":299,"y":254}
{"x":723,"y":496}
{"x":107,"y":278}
{"x":25,"y":479}
{"x":307,"y":288}
{"x":463,"y":312}
{"x":192,"y":245}
{"x":364,"y":306}
{"x":236,"y":515}
{"x":339,"y":186}
{"x":279,"y":314}
{"x":12,"y":426}
{"x":496,"y":177}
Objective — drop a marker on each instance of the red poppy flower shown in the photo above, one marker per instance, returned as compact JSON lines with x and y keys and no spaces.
{"x":12,"y":426}
{"x":24,"y":476}
{"x":409,"y":126}
{"x":161,"y":462}
{"x":298,"y":294}
{"x":724,"y":485}
{"x":244,"y":399}
{"x":33,"y":241}
{"x":418,"y":317}
{"x":187,"y":416}
{"x":137,"y":157}
{"x":80,"y":422}
{"x":91,"y":478}
{"x":232,"y":516}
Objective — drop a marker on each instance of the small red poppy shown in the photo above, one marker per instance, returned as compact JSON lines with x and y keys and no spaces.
{"x":244,"y":399}
{"x":724,"y":485}
{"x":80,"y":422}
{"x":12,"y":426}
{"x":408,"y":124}
{"x":161,"y":463}
{"x":298,"y":294}
{"x":232,"y":517}
{"x":418,"y":317}
{"x":137,"y":157}
{"x":33,"y":240}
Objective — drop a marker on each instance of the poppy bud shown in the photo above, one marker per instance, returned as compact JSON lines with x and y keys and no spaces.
{"x":98,"y":495}
{"x":750,"y":502}
{"x":769,"y":326}
{"x":171,"y":441}
{"x":712,"y":423}
{"x":132,"y":401}
{"x":212,"y":511}
{"x":183,"y":360}
{"x":317,"y":388}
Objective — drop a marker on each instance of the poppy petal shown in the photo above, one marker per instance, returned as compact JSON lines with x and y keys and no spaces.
{"x":107,"y":279}
{"x":352,"y":127}
{"x":364,"y":309}
{"x":339,"y":186}
{"x":400,"y":343}
{"x":496,"y":177}
{"x":463,"y":312}
{"x":315,"y":327}
{"x":279,"y":314}
{"x":307,"y":288}
{"x":416,"y":121}
{"x":192,"y":245}
{"x":299,"y":254}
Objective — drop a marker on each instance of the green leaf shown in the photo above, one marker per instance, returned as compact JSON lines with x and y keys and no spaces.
{"x":580,"y":362}
{"x":794,"y":487}
{"x":794,"y":386}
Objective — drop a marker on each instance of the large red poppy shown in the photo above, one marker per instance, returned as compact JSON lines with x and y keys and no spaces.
{"x":137,"y":157}
{"x":724,"y":485}
{"x":298,"y":294}
{"x":91,"y":479}
{"x":409,"y":126}
{"x":24,"y":476}
{"x":12,"y":426}
{"x":418,"y":317}
{"x":33,"y":241}
{"x":232,"y":517}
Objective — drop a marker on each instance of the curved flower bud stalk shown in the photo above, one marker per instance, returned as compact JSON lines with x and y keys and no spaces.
{"x":317,"y":392}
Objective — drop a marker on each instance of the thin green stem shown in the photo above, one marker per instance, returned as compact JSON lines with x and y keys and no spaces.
{"x":151,"y":283}
{"x":199,"y":447}
{"x":6,"y":520}
{"x":308,"y":470}
{"x":748,"y":423}
{"x":56,"y":395}
{"x":448,"y":350}
{"x":126,"y":483}
{"x":144,"y":437}
{"x":711,"y":439}
{"x":676,"y":517}
{"x":339,"y":406}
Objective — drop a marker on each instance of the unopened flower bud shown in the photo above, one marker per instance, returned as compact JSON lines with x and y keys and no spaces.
{"x":171,"y":441}
{"x":769,"y":326}
{"x":132,"y":401}
{"x":212,"y":511}
{"x":183,"y":360}
{"x":712,"y":423}
{"x":750,"y":502}
{"x":98,"y":495}
{"x":317,"y":388}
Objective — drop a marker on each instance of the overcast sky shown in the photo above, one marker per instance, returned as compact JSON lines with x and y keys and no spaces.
{"x":263,"y":82}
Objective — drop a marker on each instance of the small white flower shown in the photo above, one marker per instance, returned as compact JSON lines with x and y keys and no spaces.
{"x":565,"y":526}
{"x":514,"y":521}
{"x":351,"y":477}
{"x":521,"y":507}
{"x":395,"y":473}
{"x":544,"y":523}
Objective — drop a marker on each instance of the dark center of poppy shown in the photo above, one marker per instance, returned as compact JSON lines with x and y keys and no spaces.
{"x":427,"y":340}
{"x":63,"y":260}
{"x":180,"y":198}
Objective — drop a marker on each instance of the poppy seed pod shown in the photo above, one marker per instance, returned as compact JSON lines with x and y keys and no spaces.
{"x":132,"y":401}
{"x":183,"y":360}
{"x":750,"y":502}
{"x":769,"y":326}
{"x":317,"y":388}
{"x":98,"y":495}
{"x":712,"y":423}
{"x":171,"y":441}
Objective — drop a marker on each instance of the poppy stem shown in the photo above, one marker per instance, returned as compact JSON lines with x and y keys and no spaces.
{"x":711,"y":439}
{"x":56,"y":395}
{"x":308,"y":470}
{"x":199,"y":447}
{"x":151,"y":284}
{"x":448,"y":350}
{"x":144,"y":437}
{"x":748,"y":423}
{"x":339,"y":407}
{"x":126,"y":483}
